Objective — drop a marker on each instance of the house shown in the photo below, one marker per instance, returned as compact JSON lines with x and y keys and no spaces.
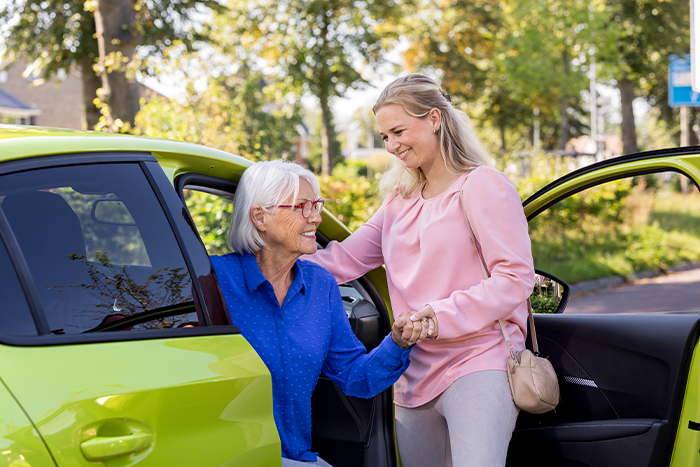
{"x":57,"y":103}
{"x":15,"y":111}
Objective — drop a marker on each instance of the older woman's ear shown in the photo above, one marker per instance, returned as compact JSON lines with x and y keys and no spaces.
{"x":257,"y":215}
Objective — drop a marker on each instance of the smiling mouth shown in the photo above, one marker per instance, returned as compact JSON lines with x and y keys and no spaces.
{"x":311,"y":234}
{"x":402,"y":155}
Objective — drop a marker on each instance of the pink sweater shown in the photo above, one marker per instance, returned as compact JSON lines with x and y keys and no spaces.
{"x":429,"y":258}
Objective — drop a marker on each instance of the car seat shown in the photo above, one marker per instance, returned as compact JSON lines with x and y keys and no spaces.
{"x":48,"y":232}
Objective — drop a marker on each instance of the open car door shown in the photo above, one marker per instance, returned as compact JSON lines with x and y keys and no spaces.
{"x":630,"y":383}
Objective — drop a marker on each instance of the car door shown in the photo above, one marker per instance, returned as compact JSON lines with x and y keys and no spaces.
{"x":630,"y":382}
{"x":112,"y":339}
{"x":346,"y":431}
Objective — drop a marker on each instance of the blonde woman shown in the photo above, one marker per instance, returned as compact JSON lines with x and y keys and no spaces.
{"x":453,"y":403}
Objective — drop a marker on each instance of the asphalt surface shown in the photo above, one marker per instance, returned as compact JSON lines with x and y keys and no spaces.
{"x":679,"y":291}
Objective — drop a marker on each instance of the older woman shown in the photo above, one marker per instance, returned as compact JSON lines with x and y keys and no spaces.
{"x":291,"y":311}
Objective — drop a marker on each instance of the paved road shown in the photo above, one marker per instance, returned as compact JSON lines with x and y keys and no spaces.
{"x":678,"y":291}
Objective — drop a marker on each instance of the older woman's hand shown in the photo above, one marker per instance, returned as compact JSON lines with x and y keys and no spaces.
{"x":402,"y":331}
{"x":406,"y":331}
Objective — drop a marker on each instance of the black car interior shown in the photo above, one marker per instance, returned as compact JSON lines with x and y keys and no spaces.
{"x":621,"y":379}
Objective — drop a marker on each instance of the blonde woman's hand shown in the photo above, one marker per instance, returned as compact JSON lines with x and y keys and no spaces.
{"x":427,"y":320}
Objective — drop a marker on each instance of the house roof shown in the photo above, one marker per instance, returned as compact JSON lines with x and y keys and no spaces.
{"x":10,"y":105}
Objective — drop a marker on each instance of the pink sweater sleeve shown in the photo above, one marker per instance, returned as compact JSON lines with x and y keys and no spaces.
{"x":496,"y":215}
{"x":356,"y":255}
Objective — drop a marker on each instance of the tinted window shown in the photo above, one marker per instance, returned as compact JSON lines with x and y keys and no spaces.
{"x":15,"y":317}
{"x":99,"y":247}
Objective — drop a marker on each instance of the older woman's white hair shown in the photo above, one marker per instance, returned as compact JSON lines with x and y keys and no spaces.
{"x":266,"y":184}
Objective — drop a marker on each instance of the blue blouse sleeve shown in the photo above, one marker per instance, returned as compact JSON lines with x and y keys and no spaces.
{"x":348,"y":364}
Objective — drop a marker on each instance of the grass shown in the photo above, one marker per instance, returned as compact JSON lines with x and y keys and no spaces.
{"x":644,"y":229}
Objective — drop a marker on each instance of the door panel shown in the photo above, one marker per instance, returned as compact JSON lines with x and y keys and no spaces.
{"x":623,"y":410}
{"x":203,"y":400}
{"x":20,"y":444}
{"x":623,"y":377}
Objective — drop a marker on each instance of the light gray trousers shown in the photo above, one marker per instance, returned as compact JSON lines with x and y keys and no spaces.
{"x":290,"y":463}
{"x":468,"y":425}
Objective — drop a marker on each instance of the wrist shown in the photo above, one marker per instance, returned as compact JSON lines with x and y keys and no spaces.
{"x":399,"y":342}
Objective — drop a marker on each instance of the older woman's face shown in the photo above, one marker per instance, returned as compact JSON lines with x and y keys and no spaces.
{"x":288,"y":230}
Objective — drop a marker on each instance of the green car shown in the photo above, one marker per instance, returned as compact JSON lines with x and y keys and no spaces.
{"x":116,"y":347}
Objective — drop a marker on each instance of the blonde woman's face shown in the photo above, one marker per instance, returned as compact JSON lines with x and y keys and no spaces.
{"x":410,"y":139}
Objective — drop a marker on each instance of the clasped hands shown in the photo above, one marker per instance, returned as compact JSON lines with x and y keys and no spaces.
{"x":412,"y":327}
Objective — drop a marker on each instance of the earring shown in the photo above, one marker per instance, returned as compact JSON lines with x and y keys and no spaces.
{"x":435,"y":130}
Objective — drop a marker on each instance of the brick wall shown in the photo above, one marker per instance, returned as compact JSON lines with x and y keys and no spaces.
{"x":60,"y":106}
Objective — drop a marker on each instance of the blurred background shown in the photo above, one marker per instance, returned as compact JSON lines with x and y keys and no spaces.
{"x":550,"y":85}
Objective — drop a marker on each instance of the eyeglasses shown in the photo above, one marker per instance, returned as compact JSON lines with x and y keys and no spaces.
{"x":306,"y":207}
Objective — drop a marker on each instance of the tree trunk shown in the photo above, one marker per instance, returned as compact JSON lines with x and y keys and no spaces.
{"x":692,"y":135}
{"x":327,"y":137}
{"x":117,"y":38}
{"x":564,"y":107}
{"x":629,"y":129}
{"x":503,"y":139}
{"x":91,"y":83}
{"x":563,"y":122}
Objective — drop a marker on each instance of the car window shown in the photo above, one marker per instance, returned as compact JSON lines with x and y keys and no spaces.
{"x":211,"y":212}
{"x":619,"y":244}
{"x":99,"y":248}
{"x":15,"y":315}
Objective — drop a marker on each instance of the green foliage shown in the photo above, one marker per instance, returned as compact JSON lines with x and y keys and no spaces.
{"x":544,"y":304}
{"x":352,"y":198}
{"x":311,"y":46}
{"x":238,"y":114}
{"x":58,"y":33}
{"x":212,"y":216}
{"x":314,"y":159}
{"x":616,"y":229}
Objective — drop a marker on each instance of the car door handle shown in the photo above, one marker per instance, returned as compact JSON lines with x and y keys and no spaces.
{"x":106,"y":447}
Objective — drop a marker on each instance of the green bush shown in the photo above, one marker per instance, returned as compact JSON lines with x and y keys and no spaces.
{"x":544,"y":304}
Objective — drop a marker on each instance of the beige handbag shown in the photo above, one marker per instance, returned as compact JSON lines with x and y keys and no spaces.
{"x":532,"y":379}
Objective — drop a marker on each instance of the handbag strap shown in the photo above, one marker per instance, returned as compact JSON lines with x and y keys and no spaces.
{"x":486,"y":275}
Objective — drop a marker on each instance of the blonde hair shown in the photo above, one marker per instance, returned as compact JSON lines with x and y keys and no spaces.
{"x":460,"y":148}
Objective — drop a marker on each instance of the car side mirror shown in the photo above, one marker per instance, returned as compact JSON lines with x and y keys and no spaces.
{"x":111,"y":211}
{"x":550,"y":294}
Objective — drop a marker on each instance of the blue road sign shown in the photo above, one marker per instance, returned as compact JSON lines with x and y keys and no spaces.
{"x":680,"y":92}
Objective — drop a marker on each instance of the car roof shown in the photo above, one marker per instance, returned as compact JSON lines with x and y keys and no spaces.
{"x":23,"y":142}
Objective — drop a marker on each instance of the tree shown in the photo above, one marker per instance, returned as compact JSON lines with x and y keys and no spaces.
{"x":58,"y":35}
{"x":117,"y":38}
{"x":504,"y":60}
{"x":458,"y":41}
{"x":61,"y":34}
{"x":238,"y":113}
{"x":313,"y":46}
{"x":634,"y":50}
{"x":541,"y":57}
